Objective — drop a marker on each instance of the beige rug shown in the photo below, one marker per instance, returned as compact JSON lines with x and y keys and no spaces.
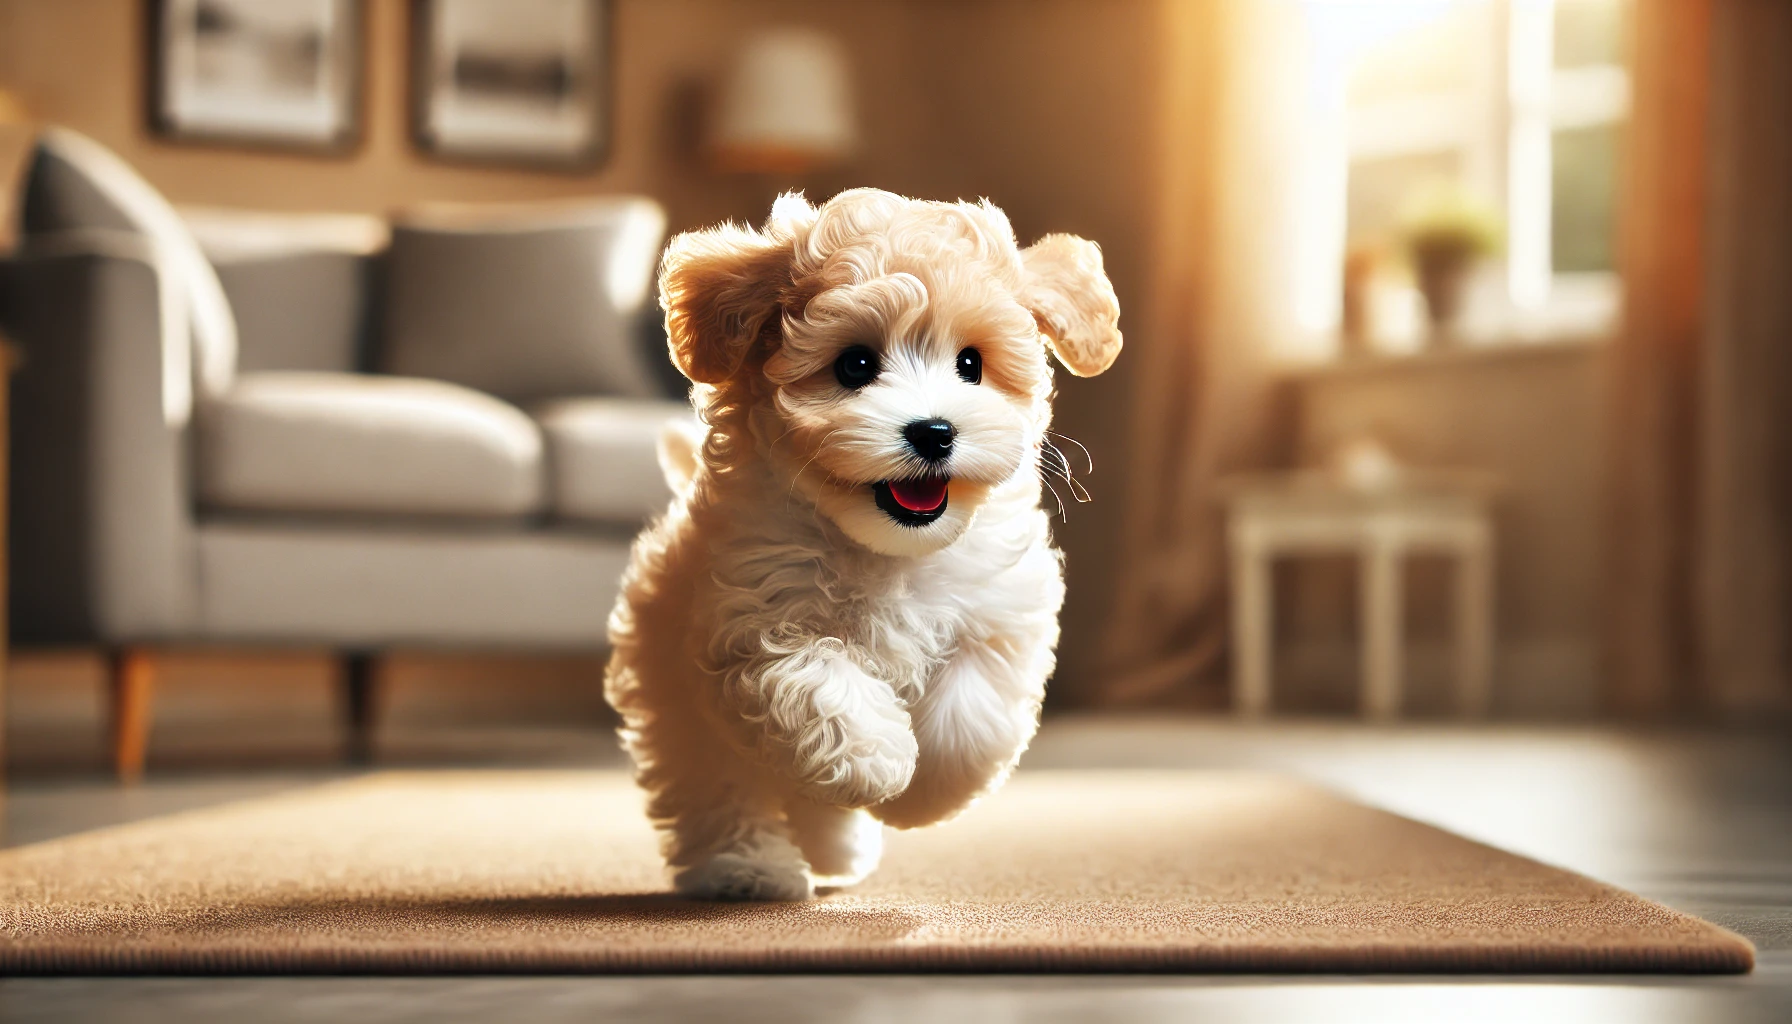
{"x":556,"y":872}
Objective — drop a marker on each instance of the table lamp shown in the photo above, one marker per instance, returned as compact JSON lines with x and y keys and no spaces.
{"x":786,"y":106}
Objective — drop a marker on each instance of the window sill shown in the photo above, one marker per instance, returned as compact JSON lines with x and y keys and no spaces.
{"x":1486,"y":352}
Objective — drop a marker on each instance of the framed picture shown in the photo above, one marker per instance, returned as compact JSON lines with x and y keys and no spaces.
{"x":259,"y":72}
{"x":522,"y":81}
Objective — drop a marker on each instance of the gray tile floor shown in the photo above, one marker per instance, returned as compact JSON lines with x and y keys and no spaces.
{"x":1701,"y":821}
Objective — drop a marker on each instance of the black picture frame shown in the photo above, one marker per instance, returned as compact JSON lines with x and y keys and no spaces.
{"x":540,"y":98}
{"x":214,"y":69}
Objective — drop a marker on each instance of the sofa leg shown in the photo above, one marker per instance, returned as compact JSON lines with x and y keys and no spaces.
{"x":359,"y":704}
{"x":131,"y":689}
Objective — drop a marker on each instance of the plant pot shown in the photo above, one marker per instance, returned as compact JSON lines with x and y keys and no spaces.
{"x":1443,"y":275}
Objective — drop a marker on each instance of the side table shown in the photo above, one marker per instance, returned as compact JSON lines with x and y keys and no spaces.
{"x":1297,"y":513}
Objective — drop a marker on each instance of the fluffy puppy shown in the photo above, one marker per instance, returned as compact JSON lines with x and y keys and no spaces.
{"x":848,"y":614}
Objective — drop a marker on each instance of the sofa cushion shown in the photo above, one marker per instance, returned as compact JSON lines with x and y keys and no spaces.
{"x":528,"y":304}
{"x":301,"y":285}
{"x":361,"y":444}
{"x":603,"y":457}
{"x":75,"y":183}
{"x":299,"y":311}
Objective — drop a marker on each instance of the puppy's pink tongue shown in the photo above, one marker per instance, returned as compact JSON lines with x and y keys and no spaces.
{"x":923,"y":495}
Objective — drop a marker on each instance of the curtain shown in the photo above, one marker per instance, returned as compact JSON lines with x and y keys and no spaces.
{"x":1205,"y":402}
{"x":1650,"y":642}
{"x":1699,"y":566}
{"x":1745,"y":486}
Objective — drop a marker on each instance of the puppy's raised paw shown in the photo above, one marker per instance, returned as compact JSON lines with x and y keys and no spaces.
{"x":877,"y":771}
{"x":738,"y":877}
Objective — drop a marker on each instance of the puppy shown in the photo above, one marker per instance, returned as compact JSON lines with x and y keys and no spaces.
{"x":847,"y":616}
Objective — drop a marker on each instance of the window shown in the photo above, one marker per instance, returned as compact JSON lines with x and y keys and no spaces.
{"x":1521,"y":102}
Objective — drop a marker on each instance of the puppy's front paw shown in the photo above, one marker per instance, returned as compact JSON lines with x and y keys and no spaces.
{"x":736,"y":876}
{"x":874,"y":769}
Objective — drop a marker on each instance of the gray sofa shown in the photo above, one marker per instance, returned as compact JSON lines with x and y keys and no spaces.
{"x":201,"y":454}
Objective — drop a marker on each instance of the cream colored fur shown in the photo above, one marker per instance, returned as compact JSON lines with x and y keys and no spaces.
{"x":795,"y":668}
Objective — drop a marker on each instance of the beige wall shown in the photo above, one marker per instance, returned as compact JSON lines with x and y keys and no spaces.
{"x":80,"y":63}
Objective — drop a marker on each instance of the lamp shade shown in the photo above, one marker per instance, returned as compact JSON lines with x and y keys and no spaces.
{"x":786,"y":105}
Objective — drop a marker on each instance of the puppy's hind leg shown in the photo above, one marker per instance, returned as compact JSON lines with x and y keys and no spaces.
{"x":841,"y":844}
{"x":730,"y":852}
{"x":723,"y":837}
{"x":761,"y":865}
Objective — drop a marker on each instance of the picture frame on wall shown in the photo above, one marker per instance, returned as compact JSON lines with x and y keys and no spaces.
{"x":283,"y":73}
{"x":521,"y":82}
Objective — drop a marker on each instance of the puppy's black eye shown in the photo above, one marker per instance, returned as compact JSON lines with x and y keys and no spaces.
{"x":970,"y":366}
{"x":856,"y":367}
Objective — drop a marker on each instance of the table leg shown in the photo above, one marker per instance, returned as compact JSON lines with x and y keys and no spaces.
{"x":1382,"y":606}
{"x":1252,"y":629}
{"x":1474,"y":628}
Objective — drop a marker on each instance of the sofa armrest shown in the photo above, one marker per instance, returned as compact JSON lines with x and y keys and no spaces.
{"x":102,"y":530}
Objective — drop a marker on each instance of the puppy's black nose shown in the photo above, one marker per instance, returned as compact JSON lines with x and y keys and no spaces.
{"x":931,"y":439}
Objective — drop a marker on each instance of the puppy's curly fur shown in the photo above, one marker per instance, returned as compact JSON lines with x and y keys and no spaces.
{"x":796,"y":662}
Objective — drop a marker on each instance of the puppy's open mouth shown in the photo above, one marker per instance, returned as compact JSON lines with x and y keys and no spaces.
{"x":915,"y":502}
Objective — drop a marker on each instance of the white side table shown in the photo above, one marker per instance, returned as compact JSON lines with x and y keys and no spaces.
{"x":1313,"y":513}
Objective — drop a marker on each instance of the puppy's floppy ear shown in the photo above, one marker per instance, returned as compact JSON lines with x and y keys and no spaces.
{"x":720,"y":289}
{"x":1068,"y":292}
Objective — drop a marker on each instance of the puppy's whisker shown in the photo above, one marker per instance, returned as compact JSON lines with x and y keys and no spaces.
{"x":799,"y":473}
{"x":1077,"y":490}
{"x":1059,"y":498}
{"x":1059,"y":466}
{"x":779,"y":440}
{"x":1055,"y":459}
{"x":1053,"y":454}
{"x":1088,"y":460}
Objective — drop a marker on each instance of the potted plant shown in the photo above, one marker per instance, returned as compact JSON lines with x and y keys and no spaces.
{"x":1446,"y":232}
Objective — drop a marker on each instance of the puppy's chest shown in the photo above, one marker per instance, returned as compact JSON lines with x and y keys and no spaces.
{"x":905,"y":622}
{"x":901,"y":617}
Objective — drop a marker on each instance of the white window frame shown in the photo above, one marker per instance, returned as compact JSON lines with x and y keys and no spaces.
{"x":1502,"y":124}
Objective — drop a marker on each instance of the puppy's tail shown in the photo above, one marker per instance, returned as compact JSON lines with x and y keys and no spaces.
{"x":680,"y":442}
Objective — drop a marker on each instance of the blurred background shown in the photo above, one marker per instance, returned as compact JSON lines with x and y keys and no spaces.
{"x":1455,"y":382}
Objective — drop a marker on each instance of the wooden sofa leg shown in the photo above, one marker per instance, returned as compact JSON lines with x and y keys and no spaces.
{"x":132,"y":687}
{"x":360,"y":704}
